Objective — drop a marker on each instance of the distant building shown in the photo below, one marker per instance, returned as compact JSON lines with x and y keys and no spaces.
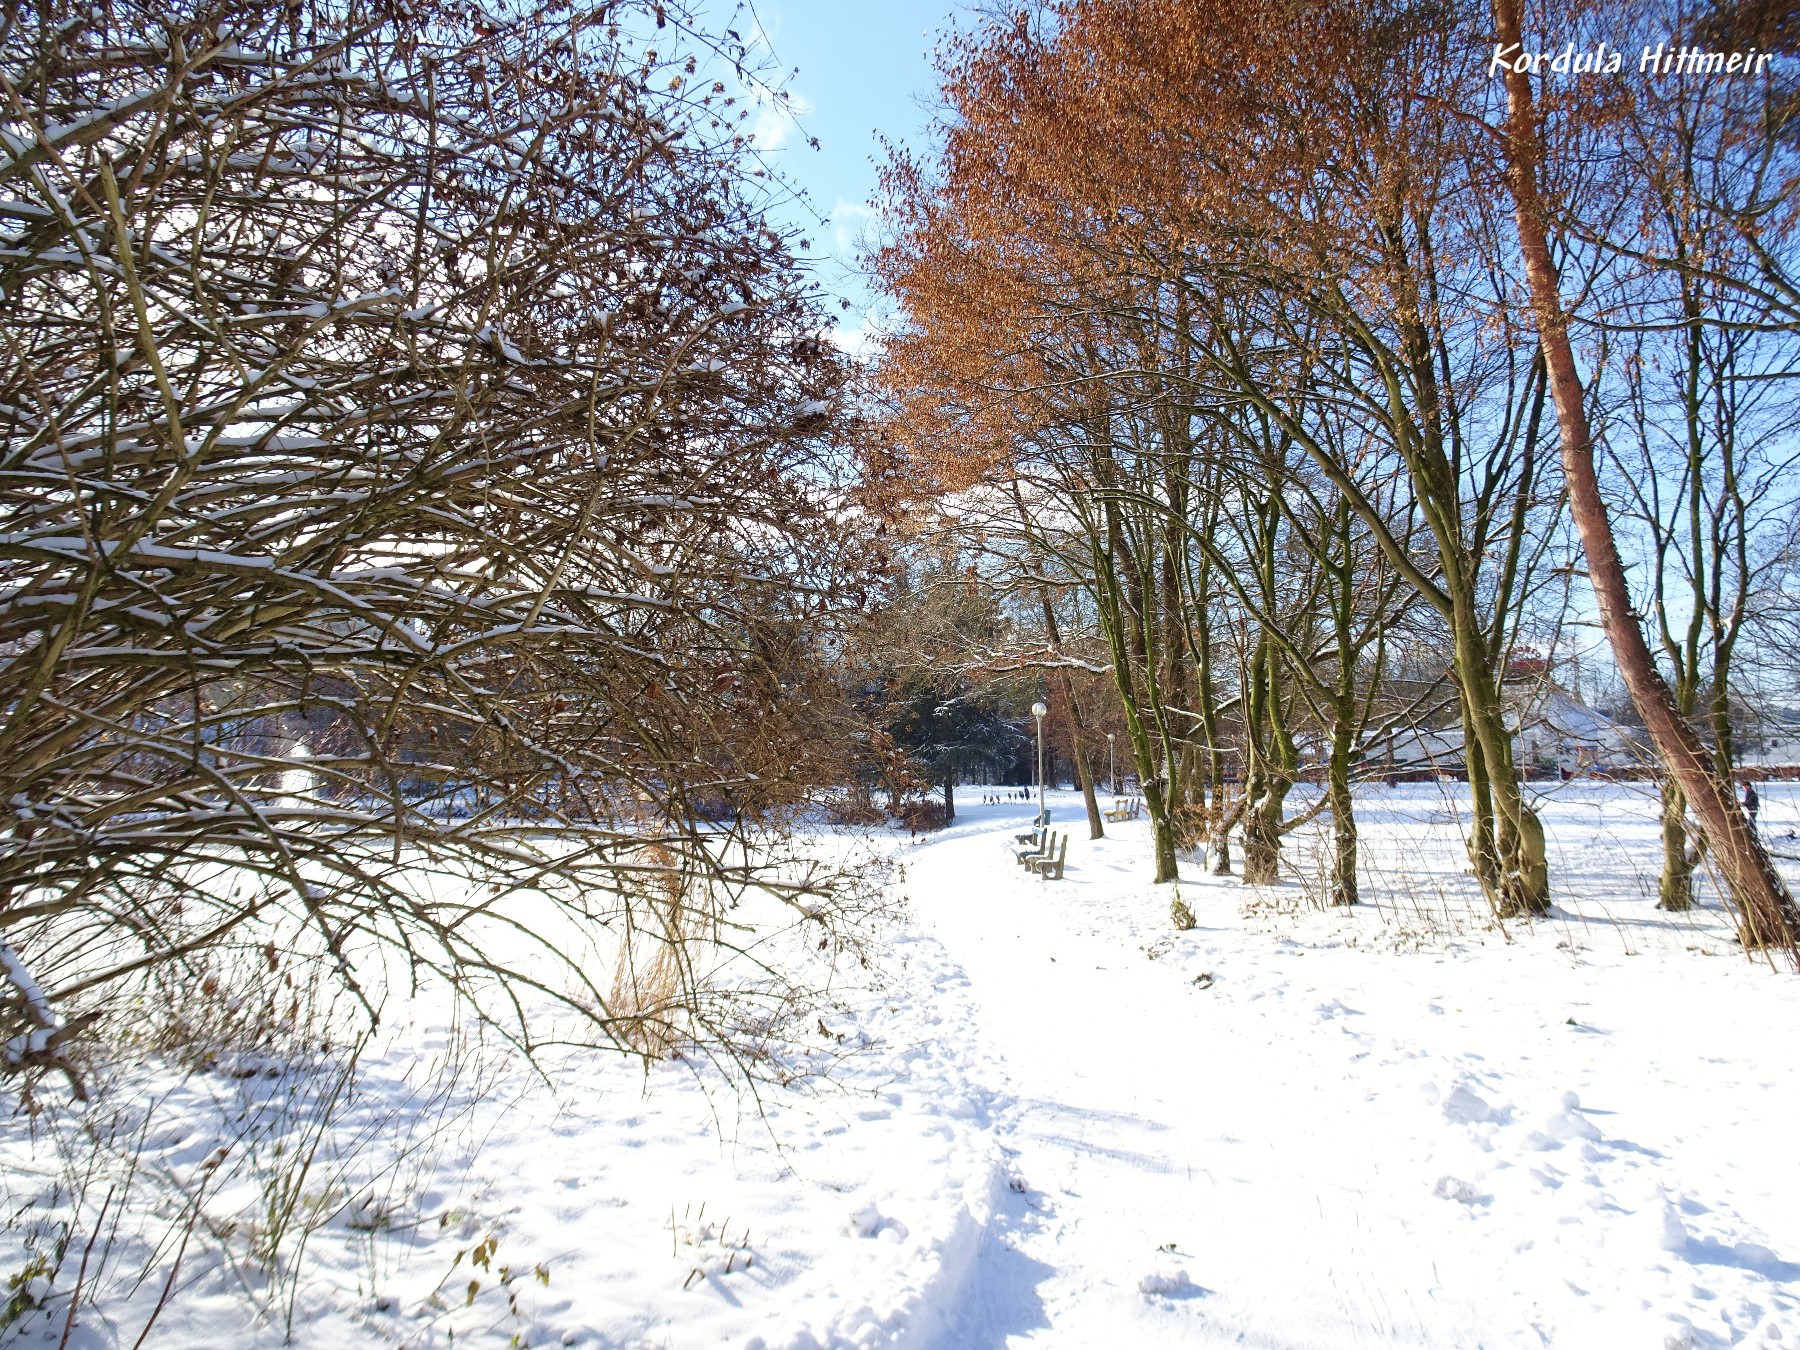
{"x":1557,"y":731}
{"x":1553,"y":734}
{"x":1769,"y":747}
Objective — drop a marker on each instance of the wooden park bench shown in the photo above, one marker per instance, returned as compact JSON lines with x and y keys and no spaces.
{"x":1125,"y":810}
{"x":1036,"y":846}
{"x":1035,"y":834}
{"x":1049,"y":867}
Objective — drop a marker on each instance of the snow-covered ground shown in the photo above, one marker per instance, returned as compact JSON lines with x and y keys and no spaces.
{"x":1054,"y":1120}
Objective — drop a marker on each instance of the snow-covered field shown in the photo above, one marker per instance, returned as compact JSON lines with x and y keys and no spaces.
{"x":1052,"y":1119}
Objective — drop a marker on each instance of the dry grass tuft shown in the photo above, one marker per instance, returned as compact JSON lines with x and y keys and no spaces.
{"x":646,"y":1008}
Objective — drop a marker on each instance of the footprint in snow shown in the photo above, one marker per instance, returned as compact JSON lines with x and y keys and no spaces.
{"x":1464,"y":1107}
{"x":1169,"y":1282}
{"x":1566,"y":1124}
{"x":870,"y":1222}
{"x":1454,"y":1188}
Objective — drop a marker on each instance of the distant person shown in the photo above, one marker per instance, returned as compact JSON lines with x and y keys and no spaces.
{"x":1752,"y":803}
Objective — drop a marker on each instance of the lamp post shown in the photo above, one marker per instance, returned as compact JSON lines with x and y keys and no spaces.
{"x":1039,"y":711}
{"x":1112,"y":774}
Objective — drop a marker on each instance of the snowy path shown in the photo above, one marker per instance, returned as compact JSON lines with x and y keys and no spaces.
{"x":1350,"y":1147}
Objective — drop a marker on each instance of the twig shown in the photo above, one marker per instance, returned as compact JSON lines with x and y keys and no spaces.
{"x":174,"y":1270}
{"x":81,"y":1274}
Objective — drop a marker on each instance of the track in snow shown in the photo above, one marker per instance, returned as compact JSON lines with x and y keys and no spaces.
{"x":1338,"y":1146}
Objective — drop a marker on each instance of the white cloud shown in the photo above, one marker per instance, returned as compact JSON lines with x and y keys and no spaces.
{"x":859,"y":336}
{"x":775,"y":117}
{"x":848,"y":224}
{"x":773,"y":122}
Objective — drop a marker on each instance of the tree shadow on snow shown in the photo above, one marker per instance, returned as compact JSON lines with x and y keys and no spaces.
{"x":1751,"y":1256}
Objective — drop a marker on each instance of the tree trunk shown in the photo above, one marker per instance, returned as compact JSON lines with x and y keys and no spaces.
{"x":1226,"y":818}
{"x":1484,"y":853}
{"x":1675,"y":888}
{"x":1347,"y":711}
{"x":1143,"y":720}
{"x":1262,"y":835}
{"x":1269,"y":773}
{"x":1078,"y":741}
{"x":949,"y":798}
{"x":1509,"y":842}
{"x":1085,"y":772}
{"x":1765,"y":911}
{"x":1343,"y":813}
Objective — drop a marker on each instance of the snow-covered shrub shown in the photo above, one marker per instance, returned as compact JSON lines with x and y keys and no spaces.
{"x":405,"y":500}
{"x":423,"y":527}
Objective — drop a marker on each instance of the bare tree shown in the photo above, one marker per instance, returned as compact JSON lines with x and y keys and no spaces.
{"x":1766,"y":912}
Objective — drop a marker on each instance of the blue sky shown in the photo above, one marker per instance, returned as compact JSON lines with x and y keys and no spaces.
{"x":857,"y":70}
